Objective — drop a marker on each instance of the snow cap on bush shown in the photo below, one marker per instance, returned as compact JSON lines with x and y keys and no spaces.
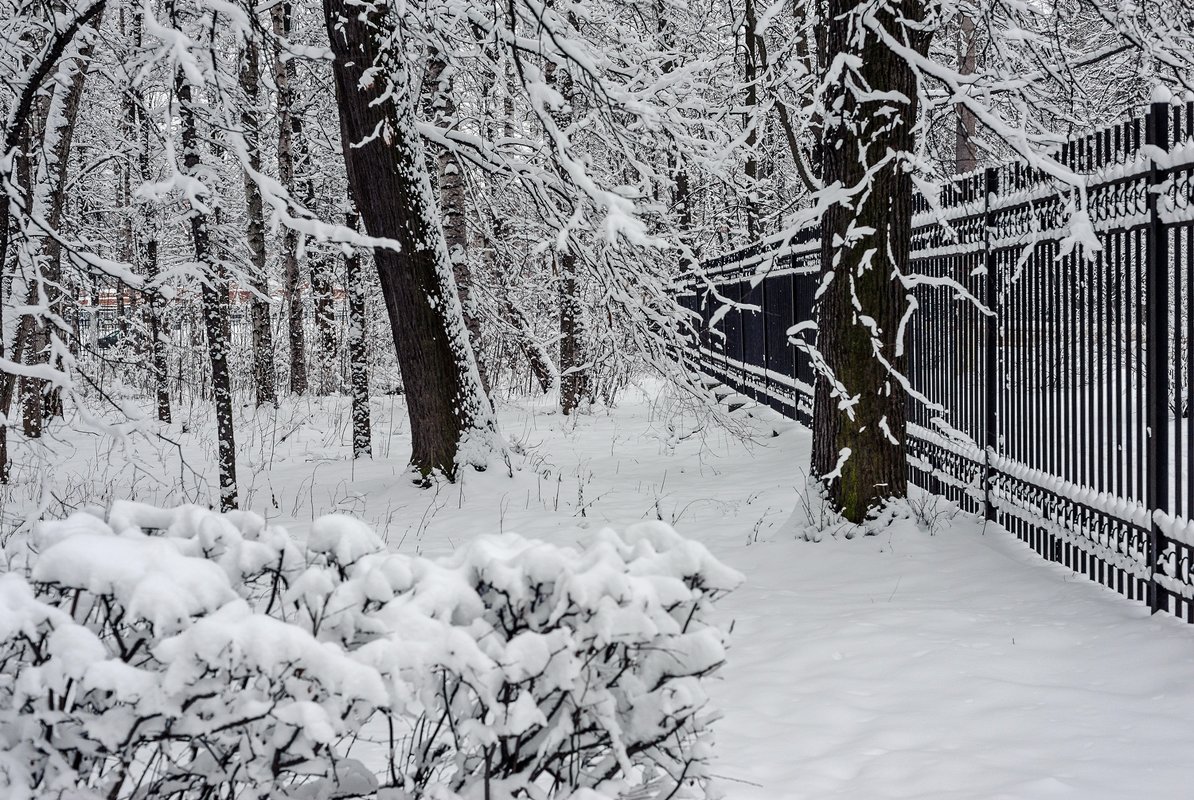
{"x":184,"y":653}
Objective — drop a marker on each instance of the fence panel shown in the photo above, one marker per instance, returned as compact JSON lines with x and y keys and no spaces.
{"x":1050,"y":377}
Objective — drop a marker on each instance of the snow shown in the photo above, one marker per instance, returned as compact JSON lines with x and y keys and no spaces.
{"x":940,"y":659}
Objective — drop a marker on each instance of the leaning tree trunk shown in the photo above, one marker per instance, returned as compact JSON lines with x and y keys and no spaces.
{"x":358,"y":352}
{"x":290,"y":130}
{"x":858,"y":420}
{"x":450,"y":416}
{"x":264,"y":379}
{"x":215,"y":297}
{"x":59,"y":136}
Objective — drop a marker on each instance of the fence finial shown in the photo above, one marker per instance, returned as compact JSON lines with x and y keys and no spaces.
{"x":1161,"y":94}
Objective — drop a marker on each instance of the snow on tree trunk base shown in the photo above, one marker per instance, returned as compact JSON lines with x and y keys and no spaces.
{"x":185,"y":653}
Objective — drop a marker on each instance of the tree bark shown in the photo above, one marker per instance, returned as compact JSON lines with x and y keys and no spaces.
{"x":290,"y":131}
{"x":264,"y":378}
{"x":358,"y":354}
{"x":450,"y":416}
{"x":859,"y":414}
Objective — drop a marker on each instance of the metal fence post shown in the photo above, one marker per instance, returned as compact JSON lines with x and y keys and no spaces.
{"x":991,"y":358}
{"x":1157,"y":346}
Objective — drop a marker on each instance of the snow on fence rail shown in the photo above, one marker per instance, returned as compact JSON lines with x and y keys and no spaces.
{"x":1067,"y":411}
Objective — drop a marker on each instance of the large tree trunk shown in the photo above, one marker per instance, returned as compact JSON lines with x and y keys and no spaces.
{"x":264,"y":379}
{"x":358,"y":351}
{"x":290,"y":131}
{"x":858,"y":421}
{"x":450,"y":416}
{"x":215,"y":299}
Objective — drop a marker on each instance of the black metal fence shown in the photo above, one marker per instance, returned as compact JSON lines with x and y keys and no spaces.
{"x":1064,"y":413}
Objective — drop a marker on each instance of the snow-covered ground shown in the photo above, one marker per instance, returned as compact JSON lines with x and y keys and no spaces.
{"x":930,"y":661}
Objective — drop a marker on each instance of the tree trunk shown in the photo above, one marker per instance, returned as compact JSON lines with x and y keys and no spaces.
{"x":290,"y":130}
{"x":753,"y":119}
{"x":215,"y":299}
{"x":536,"y":354}
{"x":965,"y":157}
{"x":450,"y":416}
{"x":322,"y":290}
{"x":453,"y":207}
{"x":574,"y":373}
{"x":32,"y":329}
{"x":859,"y":422}
{"x":264,"y":379}
{"x":358,"y":353}
{"x":147,"y":224}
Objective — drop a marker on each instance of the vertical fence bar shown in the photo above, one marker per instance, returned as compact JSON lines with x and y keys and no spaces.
{"x":990,"y":354}
{"x":1157,"y":344}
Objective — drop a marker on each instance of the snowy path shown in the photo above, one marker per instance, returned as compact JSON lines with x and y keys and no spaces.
{"x":907,"y":665}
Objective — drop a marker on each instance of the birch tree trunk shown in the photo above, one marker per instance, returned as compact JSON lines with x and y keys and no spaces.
{"x":264,"y":379}
{"x":290,"y":129}
{"x":450,"y":416}
{"x":859,"y":413}
{"x":453,"y":207}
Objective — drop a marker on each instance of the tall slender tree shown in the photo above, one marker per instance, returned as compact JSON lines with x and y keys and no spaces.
{"x":290,"y":135}
{"x":264,"y":378}
{"x":214,"y":279}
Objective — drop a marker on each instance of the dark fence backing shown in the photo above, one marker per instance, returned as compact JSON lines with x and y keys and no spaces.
{"x":1052,"y":379}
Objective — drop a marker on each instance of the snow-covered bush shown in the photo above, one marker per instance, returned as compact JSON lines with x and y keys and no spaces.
{"x":186,"y":654}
